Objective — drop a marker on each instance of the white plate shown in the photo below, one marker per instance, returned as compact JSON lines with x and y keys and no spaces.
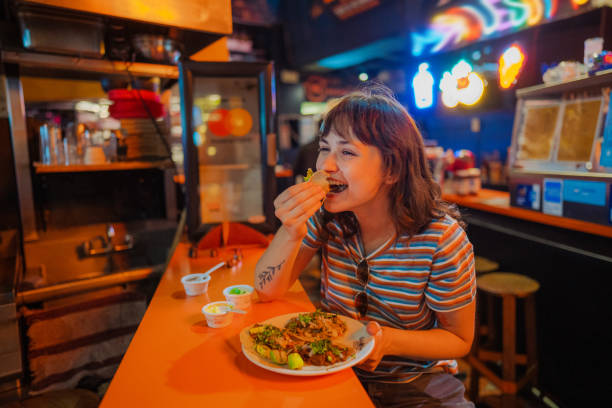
{"x":355,"y":331}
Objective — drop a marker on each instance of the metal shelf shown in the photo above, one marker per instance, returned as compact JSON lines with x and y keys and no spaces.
{"x":50,"y":63}
{"x":562,"y":173}
{"x":600,"y":79}
{"x":116,"y":166}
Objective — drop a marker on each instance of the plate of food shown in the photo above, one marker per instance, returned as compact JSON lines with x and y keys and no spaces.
{"x":306,"y":344}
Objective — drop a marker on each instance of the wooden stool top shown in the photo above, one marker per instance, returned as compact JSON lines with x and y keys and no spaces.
{"x":484,"y":265}
{"x":504,"y":283}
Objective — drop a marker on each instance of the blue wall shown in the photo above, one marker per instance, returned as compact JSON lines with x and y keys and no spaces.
{"x":453,"y":131}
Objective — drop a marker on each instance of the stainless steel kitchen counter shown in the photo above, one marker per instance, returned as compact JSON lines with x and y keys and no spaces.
{"x":57,"y":266}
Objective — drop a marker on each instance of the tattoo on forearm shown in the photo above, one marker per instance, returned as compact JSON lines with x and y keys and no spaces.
{"x":267,"y":274}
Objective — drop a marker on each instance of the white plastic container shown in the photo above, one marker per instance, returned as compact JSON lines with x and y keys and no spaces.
{"x":592,"y":48}
{"x":218,"y":314}
{"x":467,"y":181}
{"x":241,"y":301}
{"x":195,"y":283}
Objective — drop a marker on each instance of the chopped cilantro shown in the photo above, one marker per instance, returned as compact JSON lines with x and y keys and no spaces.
{"x":305,"y":319}
{"x":268,"y":336}
{"x":309,"y":174}
{"x":320,"y":346}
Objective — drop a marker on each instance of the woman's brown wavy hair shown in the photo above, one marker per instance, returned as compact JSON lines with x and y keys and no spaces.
{"x":376,"y":118}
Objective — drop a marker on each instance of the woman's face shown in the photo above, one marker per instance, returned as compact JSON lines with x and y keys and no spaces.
{"x":356,"y":169}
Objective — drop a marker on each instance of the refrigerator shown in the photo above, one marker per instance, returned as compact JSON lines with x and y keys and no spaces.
{"x":229,"y":144}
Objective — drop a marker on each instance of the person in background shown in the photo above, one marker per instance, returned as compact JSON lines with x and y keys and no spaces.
{"x":395,"y":256}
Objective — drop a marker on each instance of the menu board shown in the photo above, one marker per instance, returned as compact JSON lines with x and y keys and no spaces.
{"x":535,"y":140}
{"x":579,"y":127}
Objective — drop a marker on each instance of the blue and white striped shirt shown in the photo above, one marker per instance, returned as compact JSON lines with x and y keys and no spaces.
{"x":410,"y":279}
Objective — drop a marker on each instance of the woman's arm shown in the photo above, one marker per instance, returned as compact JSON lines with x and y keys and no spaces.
{"x":280,"y":265}
{"x":282,"y":262}
{"x":452,"y":339}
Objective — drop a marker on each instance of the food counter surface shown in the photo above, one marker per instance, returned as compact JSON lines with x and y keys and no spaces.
{"x":176,"y":360}
{"x":499,"y":202}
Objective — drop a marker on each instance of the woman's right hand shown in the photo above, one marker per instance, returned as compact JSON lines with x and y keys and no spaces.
{"x":296,"y":205}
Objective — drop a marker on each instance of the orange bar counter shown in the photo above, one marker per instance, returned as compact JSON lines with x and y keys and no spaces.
{"x":176,"y":360}
{"x":498,"y":202}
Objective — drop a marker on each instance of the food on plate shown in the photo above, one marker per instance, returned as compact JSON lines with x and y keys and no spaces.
{"x":309,"y":338}
{"x":318,"y":177}
{"x":269,"y":336}
{"x":295,"y":361}
{"x":263,"y":351}
{"x":278,"y":356}
{"x":324,"y":352}
{"x":316,"y":326}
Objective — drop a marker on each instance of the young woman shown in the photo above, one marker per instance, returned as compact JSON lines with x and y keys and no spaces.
{"x":394,"y":254}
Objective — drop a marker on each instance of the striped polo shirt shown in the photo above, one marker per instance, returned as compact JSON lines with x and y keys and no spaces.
{"x":410,"y":279}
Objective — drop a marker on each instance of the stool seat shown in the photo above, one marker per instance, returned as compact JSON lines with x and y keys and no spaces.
{"x":484,"y":265}
{"x":504,"y":283}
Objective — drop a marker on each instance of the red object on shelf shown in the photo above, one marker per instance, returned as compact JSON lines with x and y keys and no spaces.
{"x":464,"y":159}
{"x":128,"y":104}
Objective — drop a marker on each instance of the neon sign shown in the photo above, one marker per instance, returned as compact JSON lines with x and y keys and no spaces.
{"x":477,"y":19}
{"x":510,"y":64}
{"x":578,"y":3}
{"x":423,"y":83}
{"x":461,"y":85}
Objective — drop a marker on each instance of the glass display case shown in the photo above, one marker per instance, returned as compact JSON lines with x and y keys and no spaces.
{"x":558,"y":134}
{"x":229,"y":144}
{"x":558,"y":159}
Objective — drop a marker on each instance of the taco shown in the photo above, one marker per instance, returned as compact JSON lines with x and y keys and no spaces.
{"x":312,"y":339}
{"x":318,"y":177}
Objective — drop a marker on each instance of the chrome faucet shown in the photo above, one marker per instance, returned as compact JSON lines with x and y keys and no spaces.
{"x":106,"y":245}
{"x":110,"y":233}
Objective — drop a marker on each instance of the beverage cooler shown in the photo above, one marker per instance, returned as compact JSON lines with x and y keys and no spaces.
{"x":228,"y":116}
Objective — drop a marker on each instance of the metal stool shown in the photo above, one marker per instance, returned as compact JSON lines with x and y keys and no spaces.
{"x":510,"y":287}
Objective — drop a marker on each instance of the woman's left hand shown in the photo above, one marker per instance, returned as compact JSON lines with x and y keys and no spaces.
{"x":380,"y":344}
